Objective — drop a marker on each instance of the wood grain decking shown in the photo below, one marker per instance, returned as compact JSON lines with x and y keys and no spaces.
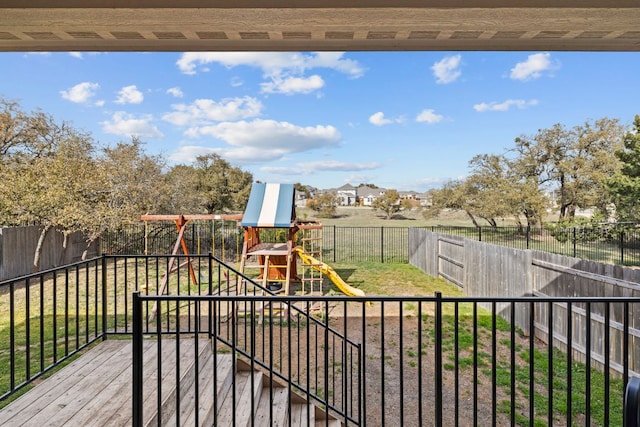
{"x":96,"y":390}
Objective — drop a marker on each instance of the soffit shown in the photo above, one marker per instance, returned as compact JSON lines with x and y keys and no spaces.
{"x":243,"y":25}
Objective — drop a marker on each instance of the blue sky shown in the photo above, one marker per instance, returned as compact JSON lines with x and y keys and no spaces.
{"x":403,"y":120}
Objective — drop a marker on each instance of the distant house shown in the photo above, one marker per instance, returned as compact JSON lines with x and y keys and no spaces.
{"x":367,"y":195}
{"x":347,"y":195}
{"x":301,"y":197}
{"x":424,"y":199}
{"x":411,"y":197}
{"x":408,"y":195}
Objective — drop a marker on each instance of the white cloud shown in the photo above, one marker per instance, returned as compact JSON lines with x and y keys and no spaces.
{"x":260,"y":141}
{"x":293,"y":85}
{"x":335,"y":61}
{"x":236,"y":82}
{"x":334,"y":165}
{"x":506,"y":105}
{"x":81,"y":55}
{"x":429,"y":116}
{"x":125,"y":124}
{"x":533,"y":67}
{"x":271,"y":63}
{"x":206,"y":111}
{"x":425,"y":183}
{"x":273,"y":135}
{"x":284,"y":71}
{"x":447,"y":69}
{"x":129,"y":95}
{"x":378,"y":119}
{"x":309,"y":168}
{"x":188,"y":153}
{"x":176,"y":92}
{"x":80,"y":93}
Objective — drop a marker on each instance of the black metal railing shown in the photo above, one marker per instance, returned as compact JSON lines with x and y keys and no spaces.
{"x":278,"y":336}
{"x":445,"y":361}
{"x":245,"y":328}
{"x":46,"y":319}
{"x":422,"y":360}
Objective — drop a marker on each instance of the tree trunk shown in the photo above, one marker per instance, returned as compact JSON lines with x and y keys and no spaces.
{"x":86,"y":249}
{"x":519,"y":224}
{"x":65,"y":245}
{"x":38,"y":253}
{"x":473,"y":219}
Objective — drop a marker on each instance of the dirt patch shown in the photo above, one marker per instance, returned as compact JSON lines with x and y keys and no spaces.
{"x":400,"y":372}
{"x":399,"y":365}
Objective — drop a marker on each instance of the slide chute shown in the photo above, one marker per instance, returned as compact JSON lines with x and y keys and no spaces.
{"x":329,"y":272}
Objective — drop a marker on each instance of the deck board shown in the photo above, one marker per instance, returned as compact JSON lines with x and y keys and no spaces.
{"x":96,"y":388}
{"x":116,"y":396}
{"x":34,"y":402}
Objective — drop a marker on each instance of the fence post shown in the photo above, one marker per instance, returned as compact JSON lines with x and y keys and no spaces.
{"x":104,"y":296}
{"x":479,"y":234}
{"x":621,"y":246}
{"x":528,"y":234}
{"x":632,"y":403}
{"x":574,"y":242}
{"x":334,"y":244}
{"x":382,"y":244}
{"x":438,"y":359}
{"x":136,"y":364}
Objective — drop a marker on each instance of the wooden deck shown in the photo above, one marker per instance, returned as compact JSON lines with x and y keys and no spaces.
{"x":96,"y":390}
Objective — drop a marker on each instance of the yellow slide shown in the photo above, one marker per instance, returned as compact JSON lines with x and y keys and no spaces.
{"x":329,"y":272}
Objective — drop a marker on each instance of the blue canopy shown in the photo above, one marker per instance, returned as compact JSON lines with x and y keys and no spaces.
{"x":270,"y":205}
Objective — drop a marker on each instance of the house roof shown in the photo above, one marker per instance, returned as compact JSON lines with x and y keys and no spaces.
{"x":346,"y":187}
{"x":329,"y":25}
{"x":368,"y":191}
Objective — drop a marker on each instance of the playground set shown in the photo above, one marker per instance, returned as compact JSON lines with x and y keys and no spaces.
{"x":285,"y":250}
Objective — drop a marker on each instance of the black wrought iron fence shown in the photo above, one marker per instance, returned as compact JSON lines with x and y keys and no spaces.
{"x":610,"y":244}
{"x":222,"y":239}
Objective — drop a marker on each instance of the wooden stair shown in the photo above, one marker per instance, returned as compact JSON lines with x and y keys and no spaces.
{"x":95,"y":390}
{"x":270,"y":406}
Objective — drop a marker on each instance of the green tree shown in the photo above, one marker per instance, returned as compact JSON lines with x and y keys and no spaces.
{"x":452,"y":196}
{"x":624,"y":186}
{"x":573,"y":162}
{"x":184,"y":197}
{"x":222,"y":187}
{"x":325,"y":204}
{"x":389,"y":203}
{"x":368,"y":185}
{"x":48,"y":182}
{"x":303,"y":189}
{"x":132,"y":184}
{"x":27,"y":135}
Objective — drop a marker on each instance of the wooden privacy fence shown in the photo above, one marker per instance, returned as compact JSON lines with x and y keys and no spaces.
{"x":486,"y":270}
{"x":18,"y":246}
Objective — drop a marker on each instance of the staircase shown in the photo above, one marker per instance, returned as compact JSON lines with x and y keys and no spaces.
{"x":269,"y":406}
